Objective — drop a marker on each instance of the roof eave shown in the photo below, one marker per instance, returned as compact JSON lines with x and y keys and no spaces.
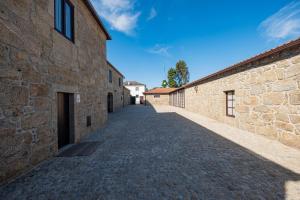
{"x":97,"y":18}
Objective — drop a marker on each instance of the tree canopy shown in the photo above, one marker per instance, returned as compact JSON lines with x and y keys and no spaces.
{"x":172,"y":78}
{"x":182,"y":73}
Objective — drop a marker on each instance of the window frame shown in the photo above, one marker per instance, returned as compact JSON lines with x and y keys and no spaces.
{"x":120,"y":81}
{"x":232,"y":93}
{"x":110,"y":76}
{"x":63,"y":19}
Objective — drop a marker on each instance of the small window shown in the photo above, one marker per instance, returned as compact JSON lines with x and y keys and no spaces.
{"x":120,"y":82}
{"x":156,"y":96}
{"x":137,"y":89}
{"x":110,"y":76}
{"x":230,"y":104}
{"x":64,"y":18}
{"x":88,"y":121}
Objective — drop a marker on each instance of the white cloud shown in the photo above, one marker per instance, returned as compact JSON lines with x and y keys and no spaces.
{"x":284,"y":24}
{"x":161,"y":50}
{"x":120,"y":14}
{"x":152,"y":14}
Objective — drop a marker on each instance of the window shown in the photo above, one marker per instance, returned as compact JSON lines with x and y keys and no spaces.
{"x":156,"y":96}
{"x":137,"y":96}
{"x":64,"y":18}
{"x":137,"y":89}
{"x":110,"y":76}
{"x":120,"y":82}
{"x":230,"y":109}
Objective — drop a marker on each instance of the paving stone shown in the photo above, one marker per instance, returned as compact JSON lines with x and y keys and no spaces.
{"x":145,"y":154}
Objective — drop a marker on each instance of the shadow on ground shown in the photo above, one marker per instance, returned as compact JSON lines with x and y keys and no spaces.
{"x":149,"y":155}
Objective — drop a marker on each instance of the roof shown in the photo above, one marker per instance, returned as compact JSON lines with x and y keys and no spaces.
{"x":97,"y":18}
{"x":245,"y":63}
{"x":125,"y":88}
{"x":160,"y":91}
{"x":115,"y":69}
{"x":132,"y":83}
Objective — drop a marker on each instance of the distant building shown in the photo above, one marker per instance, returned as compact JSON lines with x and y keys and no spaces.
{"x":136,"y":90}
{"x":158,"y":96}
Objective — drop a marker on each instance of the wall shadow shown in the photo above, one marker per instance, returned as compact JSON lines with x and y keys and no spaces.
{"x":149,"y":155}
{"x":218,"y":167}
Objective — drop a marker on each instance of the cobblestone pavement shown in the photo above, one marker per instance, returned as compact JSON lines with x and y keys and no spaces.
{"x":149,"y":155}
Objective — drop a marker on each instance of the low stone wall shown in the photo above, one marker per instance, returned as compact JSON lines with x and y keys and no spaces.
{"x":157,"y":99}
{"x":267,"y":97}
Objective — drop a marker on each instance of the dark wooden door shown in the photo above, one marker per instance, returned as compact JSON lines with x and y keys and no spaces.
{"x":110,"y":103}
{"x":63,"y":119}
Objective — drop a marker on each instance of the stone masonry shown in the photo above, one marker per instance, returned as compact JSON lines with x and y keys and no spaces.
{"x":159,"y":99}
{"x":127,"y":96}
{"x":267,"y":96}
{"x":115,"y":88}
{"x":37,"y":62}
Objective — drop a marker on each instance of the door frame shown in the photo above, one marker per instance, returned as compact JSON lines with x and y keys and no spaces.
{"x":70,"y":102}
{"x":110,"y":102}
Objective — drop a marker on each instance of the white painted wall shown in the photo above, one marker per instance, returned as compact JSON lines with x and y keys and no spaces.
{"x":136,"y":91}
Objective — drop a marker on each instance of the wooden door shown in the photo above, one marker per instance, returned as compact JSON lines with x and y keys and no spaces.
{"x":110,"y":103}
{"x":63,"y":119}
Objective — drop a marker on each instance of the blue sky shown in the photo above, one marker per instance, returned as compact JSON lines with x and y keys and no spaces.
{"x":150,"y":36}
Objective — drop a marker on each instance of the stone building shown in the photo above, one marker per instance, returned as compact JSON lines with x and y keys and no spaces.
{"x":136,"y":90}
{"x":260,"y":95}
{"x":127,"y":96}
{"x":53,"y":79}
{"x":115,"y":91}
{"x":158,"y":96}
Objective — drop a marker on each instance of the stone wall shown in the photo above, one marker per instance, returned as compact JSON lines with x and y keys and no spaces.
{"x":127,"y":96}
{"x":267,"y":97}
{"x":115,"y":88}
{"x":36,"y":62}
{"x":163,"y":99}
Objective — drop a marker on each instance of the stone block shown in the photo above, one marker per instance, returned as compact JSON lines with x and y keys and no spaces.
{"x":293,"y":70}
{"x":296,"y":60}
{"x":284,"y":126}
{"x":41,"y":103}
{"x":15,"y":95}
{"x":268,"y":117}
{"x":39,"y":90}
{"x":290,"y":139}
{"x":269,"y":76}
{"x":280,"y":74}
{"x":267,"y":131}
{"x":295,"y":97}
{"x":273,"y":98}
{"x":295,"y":119}
{"x":262,"y":109}
{"x":4,"y":54}
{"x":34,"y":120}
{"x":285,"y":85}
{"x":282,"y":117}
{"x":242,"y":109}
{"x":257,"y":89}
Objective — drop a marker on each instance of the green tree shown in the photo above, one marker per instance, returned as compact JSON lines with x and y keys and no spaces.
{"x":172,"y":78}
{"x":182,"y":73}
{"x":164,"y":84}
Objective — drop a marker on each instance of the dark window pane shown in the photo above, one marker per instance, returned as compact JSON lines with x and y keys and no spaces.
{"x":110,"y":76}
{"x":58,"y":15}
{"x":68,"y":21}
